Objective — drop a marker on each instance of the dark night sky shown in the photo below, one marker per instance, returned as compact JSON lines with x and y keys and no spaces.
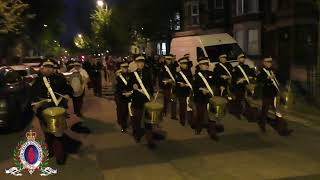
{"x":76,"y":17}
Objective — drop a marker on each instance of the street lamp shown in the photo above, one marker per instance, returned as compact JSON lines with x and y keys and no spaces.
{"x":100,"y":3}
{"x":80,"y":35}
{"x":45,"y":25}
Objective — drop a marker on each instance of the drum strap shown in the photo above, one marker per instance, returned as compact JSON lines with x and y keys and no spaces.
{"x":224,"y":67}
{"x":189,"y":109}
{"x":129,"y":109}
{"x":206,"y":83}
{"x":53,"y":96}
{"x":142,"y":85}
{"x":185,"y":79}
{"x":169,"y":72}
{"x":274,"y":80}
{"x":244,"y":74}
{"x":123,"y":79}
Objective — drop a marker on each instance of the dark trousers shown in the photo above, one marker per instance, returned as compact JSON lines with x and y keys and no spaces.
{"x":55,"y":146}
{"x":266,"y":103}
{"x":201,"y":116}
{"x":136,"y":122}
{"x":202,"y":120}
{"x":167,"y":94}
{"x":183,"y":113}
{"x":137,"y":129}
{"x":122,"y":112}
{"x":239,"y":99}
{"x":97,"y":85}
{"x":77,"y":104}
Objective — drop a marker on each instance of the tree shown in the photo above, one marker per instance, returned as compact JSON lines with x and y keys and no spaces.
{"x":100,"y":20}
{"x":11,"y":16}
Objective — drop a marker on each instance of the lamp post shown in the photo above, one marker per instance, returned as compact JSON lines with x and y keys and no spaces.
{"x":100,"y":3}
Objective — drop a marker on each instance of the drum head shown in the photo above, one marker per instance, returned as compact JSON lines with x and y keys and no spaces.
{"x":54,"y":111}
{"x":76,"y":84}
{"x":218,"y":100}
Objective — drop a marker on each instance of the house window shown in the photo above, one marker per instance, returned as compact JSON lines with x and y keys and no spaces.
{"x":239,"y":36}
{"x":253,"y":42}
{"x":177,"y":22}
{"x":163,"y":48}
{"x":218,"y":4}
{"x":247,"y":6}
{"x":195,"y":14}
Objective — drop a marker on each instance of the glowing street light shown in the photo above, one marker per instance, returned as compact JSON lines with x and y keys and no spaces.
{"x":100,"y":3}
{"x":45,"y":25}
{"x":80,"y":35}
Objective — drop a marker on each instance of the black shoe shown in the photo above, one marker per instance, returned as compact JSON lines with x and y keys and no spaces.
{"x":197,"y":132}
{"x":285,"y":133}
{"x":174,"y":118}
{"x":214,"y":137}
{"x":124,"y":130}
{"x":137,"y":139}
{"x":152,"y":146}
{"x":61,"y":162}
{"x":78,"y":128}
{"x":183,"y":123}
{"x":262,"y":127}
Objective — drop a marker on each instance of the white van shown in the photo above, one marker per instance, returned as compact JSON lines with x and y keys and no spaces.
{"x":207,"y":46}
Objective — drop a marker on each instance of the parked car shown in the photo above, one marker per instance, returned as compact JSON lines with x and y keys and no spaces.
{"x":15,"y":98}
{"x":33,"y":62}
{"x":28,"y":73}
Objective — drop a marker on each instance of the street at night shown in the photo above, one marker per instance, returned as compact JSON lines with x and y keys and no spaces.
{"x":160,"y":89}
{"x":242,"y":152}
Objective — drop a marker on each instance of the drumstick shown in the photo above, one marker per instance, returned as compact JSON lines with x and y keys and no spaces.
{"x":155,"y":98}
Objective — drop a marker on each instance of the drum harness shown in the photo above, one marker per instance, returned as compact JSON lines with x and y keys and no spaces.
{"x":226,"y":69}
{"x":189,"y":109}
{"x":130,"y":103}
{"x":171,"y":76}
{"x":276,"y":84}
{"x":144,"y":90}
{"x":207,"y":85}
{"x":53,"y":96}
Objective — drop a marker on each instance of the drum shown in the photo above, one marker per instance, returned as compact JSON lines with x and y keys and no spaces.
{"x":287,"y":99}
{"x":55,"y":120}
{"x":218,"y":106}
{"x":251,"y":88}
{"x":153,"y":113}
{"x":75,"y":80}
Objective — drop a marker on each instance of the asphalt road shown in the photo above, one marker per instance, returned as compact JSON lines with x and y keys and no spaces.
{"x":243,"y":153}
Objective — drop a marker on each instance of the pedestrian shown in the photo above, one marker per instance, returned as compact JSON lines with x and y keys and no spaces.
{"x":123,"y":95}
{"x":142,"y":86}
{"x":96,"y":78}
{"x":242,"y":77}
{"x":223,"y":75}
{"x":167,"y":84}
{"x":110,"y":71}
{"x":270,"y":91}
{"x":203,"y":91}
{"x":184,"y":90}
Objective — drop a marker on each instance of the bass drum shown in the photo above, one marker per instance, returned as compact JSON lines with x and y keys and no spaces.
{"x":76,"y":83}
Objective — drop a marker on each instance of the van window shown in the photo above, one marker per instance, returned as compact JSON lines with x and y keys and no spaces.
{"x":232,"y":51}
{"x":200,"y":52}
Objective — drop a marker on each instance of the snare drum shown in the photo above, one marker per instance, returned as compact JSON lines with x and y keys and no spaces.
{"x":153,"y":113}
{"x":55,"y":120}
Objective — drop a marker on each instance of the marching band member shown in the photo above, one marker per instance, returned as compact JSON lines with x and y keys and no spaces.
{"x":202,"y":87}
{"x":78,"y":99}
{"x":167,"y":83}
{"x":270,"y":91}
{"x":123,"y":96}
{"x":190,"y":64}
{"x":184,"y":90}
{"x":142,"y":86}
{"x":96,"y":70}
{"x":222,"y":75}
{"x":47,"y":86}
{"x":242,"y":76}
{"x":78,"y":95}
